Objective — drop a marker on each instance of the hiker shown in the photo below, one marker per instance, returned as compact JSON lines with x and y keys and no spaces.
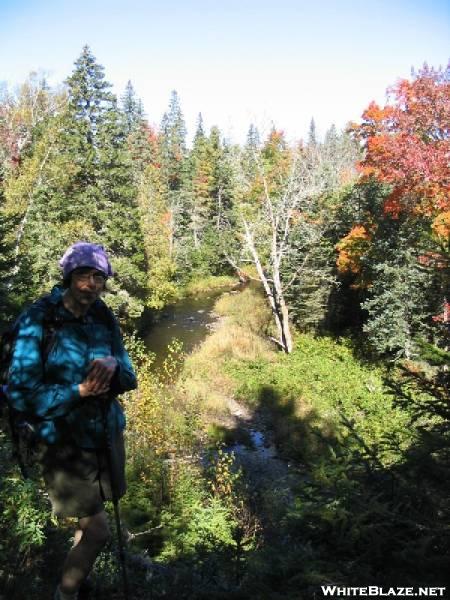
{"x":83,"y":371}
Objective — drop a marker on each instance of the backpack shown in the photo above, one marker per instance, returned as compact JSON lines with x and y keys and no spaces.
{"x":21,"y":426}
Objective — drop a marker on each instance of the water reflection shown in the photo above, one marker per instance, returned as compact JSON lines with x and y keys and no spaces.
{"x":189,"y":321}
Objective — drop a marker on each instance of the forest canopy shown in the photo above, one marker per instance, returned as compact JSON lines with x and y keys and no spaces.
{"x":361,"y":216}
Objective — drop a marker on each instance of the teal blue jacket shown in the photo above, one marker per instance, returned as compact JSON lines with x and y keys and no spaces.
{"x":48,"y":389}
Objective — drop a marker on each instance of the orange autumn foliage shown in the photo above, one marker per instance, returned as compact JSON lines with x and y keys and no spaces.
{"x":441,"y":225}
{"x":351,"y":248}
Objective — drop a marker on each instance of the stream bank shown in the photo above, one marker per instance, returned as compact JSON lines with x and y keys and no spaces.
{"x":281,"y":521}
{"x":204,"y":331}
{"x":189,"y":321}
{"x":258,"y":457}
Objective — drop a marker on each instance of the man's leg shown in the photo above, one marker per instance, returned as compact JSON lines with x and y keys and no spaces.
{"x":92,"y":535}
{"x":77,"y":537}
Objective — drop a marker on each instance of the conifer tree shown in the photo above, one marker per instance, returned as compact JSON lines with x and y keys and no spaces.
{"x":7,"y":288}
{"x":200,"y":131}
{"x":201,"y":185}
{"x":251,"y":152}
{"x":173,"y":144}
{"x":207,"y":192}
{"x":172,"y":160}
{"x":398,"y":303}
{"x":94,"y":112}
{"x":253,"y":137}
{"x":222,"y":178}
{"x":77,"y":184}
{"x":312,"y":134}
{"x":132,"y":108}
{"x":140,"y":136}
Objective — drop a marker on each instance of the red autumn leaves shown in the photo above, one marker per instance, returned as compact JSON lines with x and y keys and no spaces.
{"x":407,"y":145}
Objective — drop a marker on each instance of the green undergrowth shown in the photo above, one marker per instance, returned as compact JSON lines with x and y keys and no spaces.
{"x":369,"y":443}
{"x":372,"y":445}
{"x":320,"y":395}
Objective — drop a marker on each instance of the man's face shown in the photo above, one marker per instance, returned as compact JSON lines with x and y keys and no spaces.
{"x":86,"y":285}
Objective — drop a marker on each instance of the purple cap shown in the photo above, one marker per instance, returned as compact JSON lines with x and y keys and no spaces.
{"x":85,"y":254}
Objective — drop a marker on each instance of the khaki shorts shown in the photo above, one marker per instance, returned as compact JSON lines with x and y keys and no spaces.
{"x":78,"y":480}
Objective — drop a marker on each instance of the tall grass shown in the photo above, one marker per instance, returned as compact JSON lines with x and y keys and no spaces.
{"x":204,"y":378}
{"x":206,"y":284}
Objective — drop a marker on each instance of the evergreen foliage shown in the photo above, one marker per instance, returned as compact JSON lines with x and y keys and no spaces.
{"x":397,"y":304}
{"x":7,"y":284}
{"x":76,"y":183}
{"x":140,"y":136}
{"x":132,"y":109}
{"x":173,"y":144}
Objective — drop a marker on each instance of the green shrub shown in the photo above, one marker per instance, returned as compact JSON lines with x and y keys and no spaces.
{"x":24,"y":515}
{"x":196,"y":520}
{"x":321,"y":394}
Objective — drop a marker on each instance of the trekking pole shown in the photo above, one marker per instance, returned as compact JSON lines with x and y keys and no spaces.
{"x":115,"y":498}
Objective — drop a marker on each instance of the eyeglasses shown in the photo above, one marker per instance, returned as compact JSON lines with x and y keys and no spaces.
{"x":87,"y":275}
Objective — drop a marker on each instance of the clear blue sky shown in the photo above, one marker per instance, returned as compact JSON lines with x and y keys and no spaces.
{"x":236,"y":62}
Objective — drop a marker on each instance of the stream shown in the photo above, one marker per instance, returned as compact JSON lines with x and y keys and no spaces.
{"x":190,"y":321}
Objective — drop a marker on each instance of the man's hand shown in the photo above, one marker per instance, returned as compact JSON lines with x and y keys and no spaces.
{"x":99,"y":377}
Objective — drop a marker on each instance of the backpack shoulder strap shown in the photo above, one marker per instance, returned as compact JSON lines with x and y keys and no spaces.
{"x":103,"y":313}
{"x":51,"y":322}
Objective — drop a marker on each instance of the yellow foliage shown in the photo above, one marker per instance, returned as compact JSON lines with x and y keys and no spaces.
{"x":223,"y":476}
{"x":46,"y":166}
{"x":441,"y":225}
{"x":156,"y":416}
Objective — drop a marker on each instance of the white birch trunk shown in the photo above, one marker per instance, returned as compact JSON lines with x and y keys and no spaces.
{"x":274,"y":295}
{"x":24,"y":220}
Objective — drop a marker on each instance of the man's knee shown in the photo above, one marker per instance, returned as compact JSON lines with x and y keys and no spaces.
{"x":96,"y":529}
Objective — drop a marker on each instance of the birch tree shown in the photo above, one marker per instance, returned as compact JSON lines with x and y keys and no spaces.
{"x":283,"y":219}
